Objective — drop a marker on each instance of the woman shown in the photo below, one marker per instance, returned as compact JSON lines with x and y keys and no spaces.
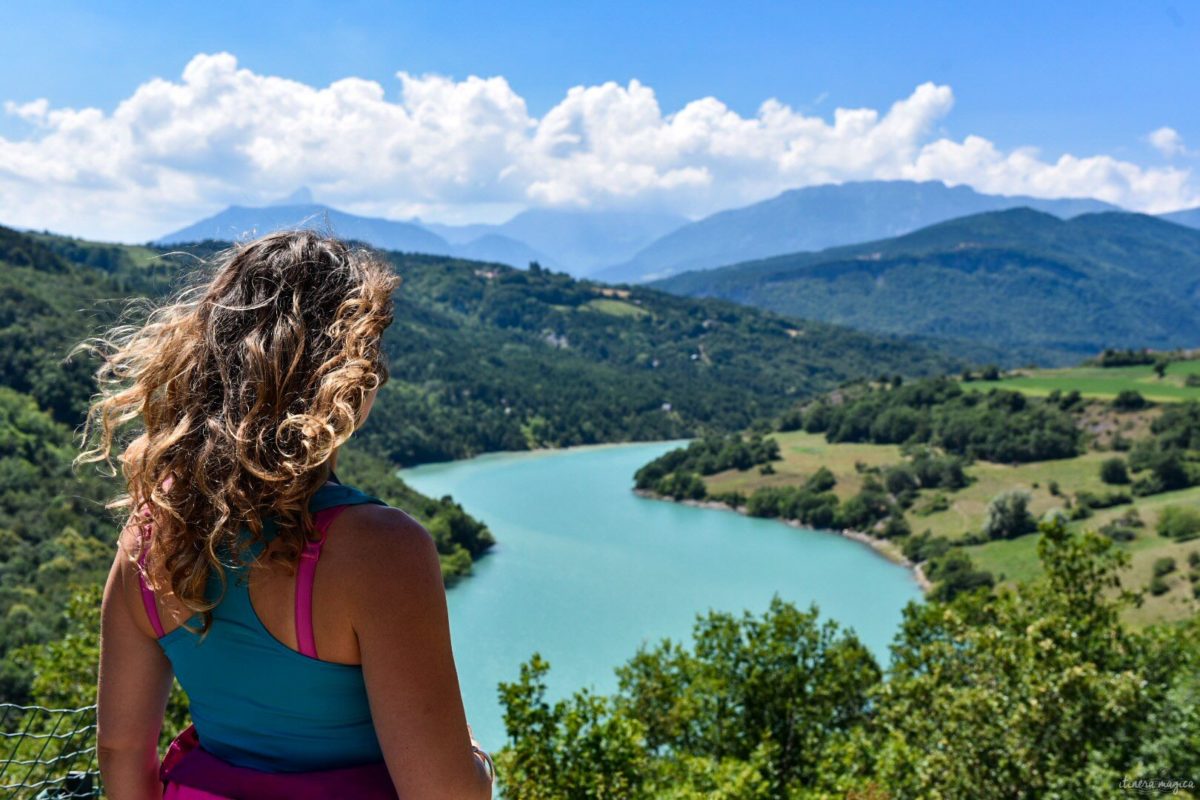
{"x":305,"y":619}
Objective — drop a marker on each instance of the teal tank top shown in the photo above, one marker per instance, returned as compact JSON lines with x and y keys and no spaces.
{"x":258,"y":703}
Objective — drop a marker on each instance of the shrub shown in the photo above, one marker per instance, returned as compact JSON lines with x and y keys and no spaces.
{"x":1106,"y":500}
{"x":1079,"y":511}
{"x":1159,"y":586}
{"x":1180,"y":523}
{"x":733,"y":499}
{"x":791,"y":420}
{"x":1164,"y":566}
{"x":1113,"y":471}
{"x":1129,"y":400}
{"x":1118,"y":533}
{"x":816,"y":419}
{"x":954,"y":573}
{"x":1194,"y":558}
{"x":1008,"y":516}
{"x":894,"y":527}
{"x":900,"y":479}
{"x":820,"y":481}
{"x":681,"y":486}
{"x":933,"y":504}
{"x":1070,"y":400}
{"x":924,"y":546}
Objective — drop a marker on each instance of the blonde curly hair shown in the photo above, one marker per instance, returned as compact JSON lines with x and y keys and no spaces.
{"x":232,"y":396}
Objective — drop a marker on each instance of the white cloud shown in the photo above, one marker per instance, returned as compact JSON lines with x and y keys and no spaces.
{"x":1167,"y":141}
{"x":177,"y":150}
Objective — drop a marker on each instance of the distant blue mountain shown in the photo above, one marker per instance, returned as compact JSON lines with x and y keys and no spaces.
{"x":574,"y":241}
{"x":817,"y":217}
{"x":240,"y":222}
{"x":1188,"y":216}
{"x":581,"y":241}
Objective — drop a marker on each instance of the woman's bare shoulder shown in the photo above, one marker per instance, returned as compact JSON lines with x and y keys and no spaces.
{"x":375,"y":550}
{"x":368,"y":530}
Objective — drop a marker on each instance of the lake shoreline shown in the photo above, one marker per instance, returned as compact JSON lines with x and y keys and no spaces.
{"x":880,"y":546}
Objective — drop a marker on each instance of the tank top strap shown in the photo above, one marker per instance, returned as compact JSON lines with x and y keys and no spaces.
{"x":331,"y":500}
{"x":149,"y":602}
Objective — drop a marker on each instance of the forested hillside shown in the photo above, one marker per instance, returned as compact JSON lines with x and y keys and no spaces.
{"x":1045,"y":290}
{"x":489,"y":358}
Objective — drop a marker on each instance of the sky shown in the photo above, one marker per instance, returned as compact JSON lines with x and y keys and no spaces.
{"x":125,"y":120}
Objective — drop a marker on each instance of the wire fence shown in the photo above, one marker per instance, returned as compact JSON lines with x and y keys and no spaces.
{"x":48,"y":753}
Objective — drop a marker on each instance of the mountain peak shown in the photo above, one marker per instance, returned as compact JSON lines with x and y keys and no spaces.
{"x":303,"y":196}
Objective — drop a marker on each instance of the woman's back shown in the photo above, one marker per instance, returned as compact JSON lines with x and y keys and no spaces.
{"x":240,"y":390}
{"x":258,"y":702}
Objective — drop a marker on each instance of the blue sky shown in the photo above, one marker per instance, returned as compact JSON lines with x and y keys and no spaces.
{"x":1084,"y":79}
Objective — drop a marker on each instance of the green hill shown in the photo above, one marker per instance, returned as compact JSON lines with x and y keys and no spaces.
{"x":1041,"y":288}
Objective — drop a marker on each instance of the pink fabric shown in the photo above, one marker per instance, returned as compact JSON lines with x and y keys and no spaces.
{"x":189,"y":772}
{"x":147,"y":593}
{"x":306,"y":571}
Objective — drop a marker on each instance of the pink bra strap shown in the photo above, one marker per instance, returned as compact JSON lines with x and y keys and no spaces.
{"x":306,"y":643}
{"x":148,"y":593}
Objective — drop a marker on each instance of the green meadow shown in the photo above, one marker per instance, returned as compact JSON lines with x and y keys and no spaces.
{"x":966,"y":509}
{"x":1102,"y":382}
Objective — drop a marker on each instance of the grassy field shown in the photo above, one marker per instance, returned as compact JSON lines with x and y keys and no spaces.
{"x":1011,"y":560}
{"x":1102,"y":382}
{"x":616,"y":308}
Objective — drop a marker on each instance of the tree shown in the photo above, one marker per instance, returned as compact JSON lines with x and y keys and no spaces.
{"x":1113,"y":471}
{"x":1129,"y":400}
{"x":1179,"y":522}
{"x":1008,"y":516}
{"x":572,"y":748}
{"x":1038,"y":692}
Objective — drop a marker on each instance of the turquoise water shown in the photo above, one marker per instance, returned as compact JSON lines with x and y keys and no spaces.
{"x":585,"y":571}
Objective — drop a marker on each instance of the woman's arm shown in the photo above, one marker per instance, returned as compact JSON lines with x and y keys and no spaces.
{"x":399,"y":615}
{"x":135,"y":680}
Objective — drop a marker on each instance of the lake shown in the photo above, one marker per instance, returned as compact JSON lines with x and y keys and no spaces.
{"x":585,"y":571}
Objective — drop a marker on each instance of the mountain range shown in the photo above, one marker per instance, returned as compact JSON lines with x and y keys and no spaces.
{"x":1043,"y":289}
{"x":628,"y":247}
{"x":577,"y":242}
{"x":817,"y":217}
